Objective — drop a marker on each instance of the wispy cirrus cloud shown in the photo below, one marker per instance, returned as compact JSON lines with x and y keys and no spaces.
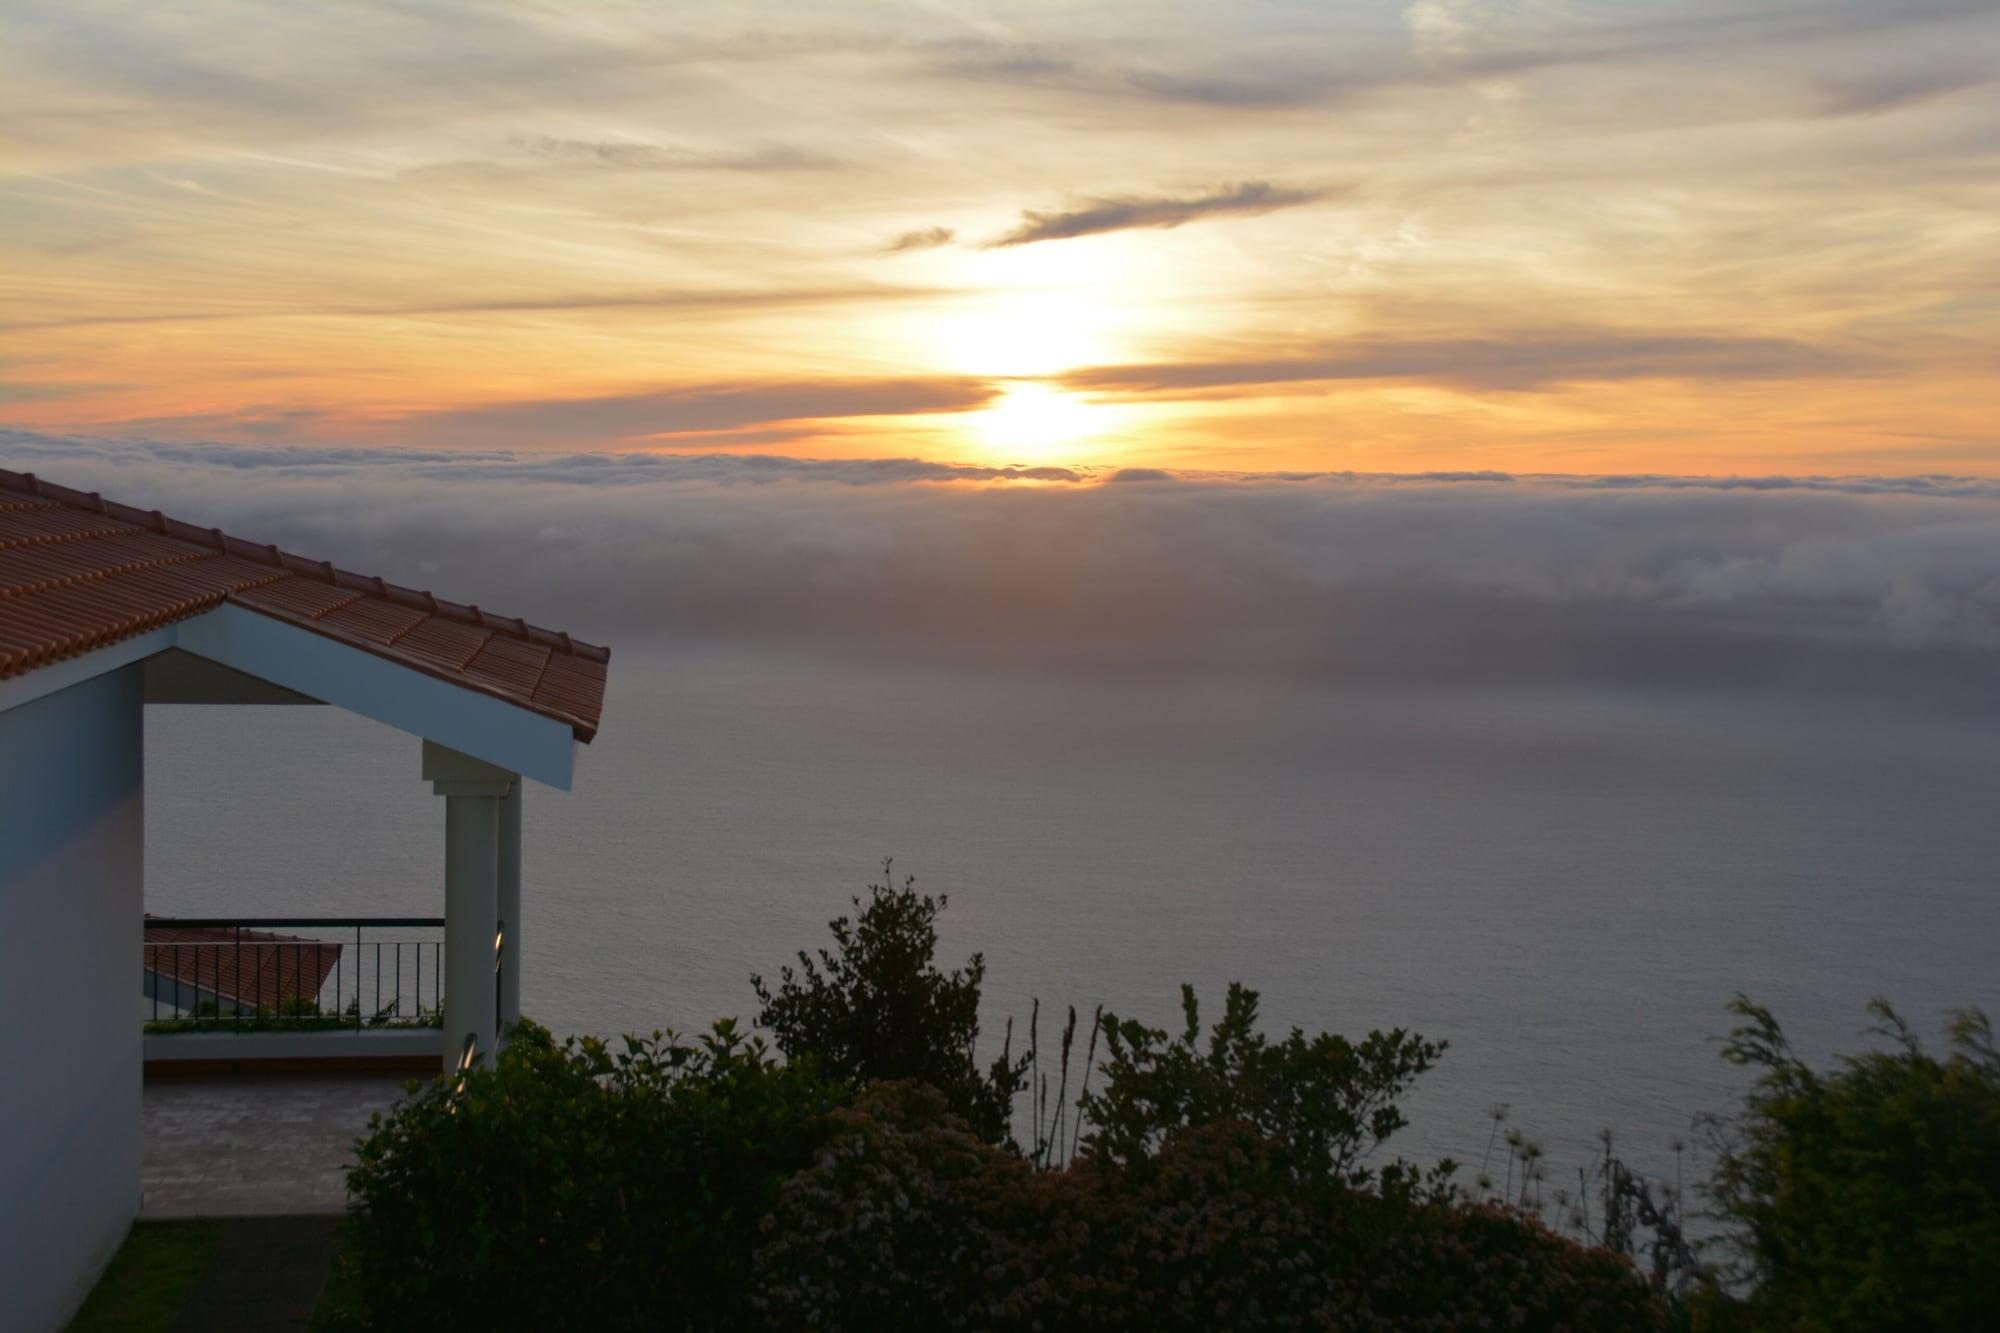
{"x":579,"y":422}
{"x":547,"y":155}
{"x":634,"y":154}
{"x":1135,"y":212}
{"x":1523,"y":360}
{"x":1875,"y":92}
{"x":639,"y":299}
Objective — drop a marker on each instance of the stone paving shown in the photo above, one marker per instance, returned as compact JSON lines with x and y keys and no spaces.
{"x":255,"y":1145}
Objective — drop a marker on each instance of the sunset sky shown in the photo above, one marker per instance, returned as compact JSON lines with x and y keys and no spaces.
{"x":1540,"y":236}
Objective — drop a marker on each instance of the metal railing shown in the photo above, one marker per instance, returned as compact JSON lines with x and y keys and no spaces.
{"x":321,"y":973}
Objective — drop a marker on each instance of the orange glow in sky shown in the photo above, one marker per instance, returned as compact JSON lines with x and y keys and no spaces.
{"x":1440,"y":234}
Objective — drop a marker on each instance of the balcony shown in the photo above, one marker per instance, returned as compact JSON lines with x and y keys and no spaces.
{"x":293,"y":994}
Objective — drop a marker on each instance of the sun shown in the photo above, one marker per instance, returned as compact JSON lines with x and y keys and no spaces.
{"x":1024,"y":319}
{"x":1032,"y":423}
{"x":1020,"y":333}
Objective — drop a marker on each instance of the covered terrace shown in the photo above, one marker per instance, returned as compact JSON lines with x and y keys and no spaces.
{"x":105,"y":608}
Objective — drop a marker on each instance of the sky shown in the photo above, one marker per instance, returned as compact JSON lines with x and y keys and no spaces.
{"x":1683,"y":237}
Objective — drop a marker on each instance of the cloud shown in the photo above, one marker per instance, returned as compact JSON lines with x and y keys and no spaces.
{"x":1447,"y":44}
{"x":923,"y":238}
{"x":1526,"y":360}
{"x":40,"y":391}
{"x":607,"y":418}
{"x":671,"y":299}
{"x":687,"y":298}
{"x":638,"y":155}
{"x":989,"y":59}
{"x":1287,"y":86}
{"x":1448,"y":29}
{"x":545,"y":154}
{"x":1883,"y":588}
{"x":1879,"y":91}
{"x":1131,"y":212}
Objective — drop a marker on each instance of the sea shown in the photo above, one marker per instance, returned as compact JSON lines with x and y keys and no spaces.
{"x":1566,"y":885}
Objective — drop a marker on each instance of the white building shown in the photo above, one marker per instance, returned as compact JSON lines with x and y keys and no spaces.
{"x":105,"y":608}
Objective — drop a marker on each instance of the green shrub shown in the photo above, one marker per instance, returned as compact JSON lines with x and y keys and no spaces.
{"x":1322,"y":1104}
{"x":569,"y":1187}
{"x":876,"y":1009}
{"x":1867,"y":1197}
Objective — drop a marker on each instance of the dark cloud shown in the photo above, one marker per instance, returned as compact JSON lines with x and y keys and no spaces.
{"x":1892,"y":90}
{"x":1513,"y":45}
{"x":1523,"y":361}
{"x":666,"y":412}
{"x":923,"y":238}
{"x":1276,"y":87}
{"x":39,"y":391}
{"x":1129,"y":212}
{"x":1882,"y":585}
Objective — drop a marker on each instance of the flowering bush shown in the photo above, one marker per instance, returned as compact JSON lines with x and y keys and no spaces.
{"x":906,"y":1220}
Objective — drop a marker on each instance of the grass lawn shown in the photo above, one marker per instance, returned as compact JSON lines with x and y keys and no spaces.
{"x":148,"y":1278}
{"x":340,"y":1304}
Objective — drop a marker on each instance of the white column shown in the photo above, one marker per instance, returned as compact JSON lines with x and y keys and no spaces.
{"x":473,"y":792}
{"x":510,"y":908}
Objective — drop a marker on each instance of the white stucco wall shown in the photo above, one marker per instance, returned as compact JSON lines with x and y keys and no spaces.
{"x":71,"y":905}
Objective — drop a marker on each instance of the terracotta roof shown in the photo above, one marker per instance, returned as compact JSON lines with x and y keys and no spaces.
{"x":78,"y":572}
{"x":241,"y":967}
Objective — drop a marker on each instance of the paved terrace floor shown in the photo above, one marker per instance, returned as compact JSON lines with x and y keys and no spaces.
{"x":255,"y":1145}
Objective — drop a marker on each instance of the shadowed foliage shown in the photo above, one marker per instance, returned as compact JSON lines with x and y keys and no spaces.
{"x":906,"y":1220}
{"x":1209,"y":1179}
{"x":875,"y":1007}
{"x":574,"y":1187}
{"x":1322,"y":1103}
{"x":1866,"y":1196}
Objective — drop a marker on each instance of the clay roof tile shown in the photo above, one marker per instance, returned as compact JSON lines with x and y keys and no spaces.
{"x":78,"y":572}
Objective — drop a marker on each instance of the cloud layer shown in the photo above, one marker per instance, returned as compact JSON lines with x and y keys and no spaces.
{"x":1884,"y":586}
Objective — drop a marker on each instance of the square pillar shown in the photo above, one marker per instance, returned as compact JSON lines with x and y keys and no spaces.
{"x":510,"y":909}
{"x":474,"y":792}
